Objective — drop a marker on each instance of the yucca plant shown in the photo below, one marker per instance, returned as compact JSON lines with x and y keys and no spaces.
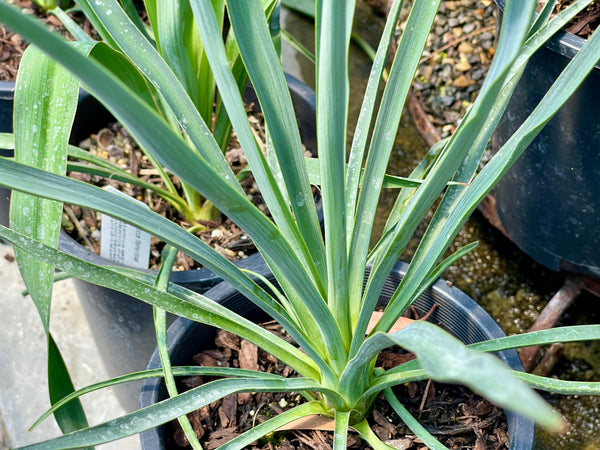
{"x":170,"y":41}
{"x":321,"y":298}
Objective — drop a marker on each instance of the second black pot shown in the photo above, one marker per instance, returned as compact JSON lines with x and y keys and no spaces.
{"x":549,"y":201}
{"x":457,"y":313}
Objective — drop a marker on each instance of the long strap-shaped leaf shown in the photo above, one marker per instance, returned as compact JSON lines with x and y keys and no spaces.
{"x":542,"y":337}
{"x":169,"y":409}
{"x":446,"y":359}
{"x":160,"y":325}
{"x":576,"y":333}
{"x":402,"y":72}
{"x":171,"y":151}
{"x":562,"y":387}
{"x":268,"y":80}
{"x":45,"y":103}
{"x":363,"y":125}
{"x":71,"y":191}
{"x":265,"y":72}
{"x":411,"y":370}
{"x":431,"y":248}
{"x":420,"y":20}
{"x":412,"y":423}
{"x":179,"y":371}
{"x":245,"y":439}
{"x":179,"y":45}
{"x":333,"y":22}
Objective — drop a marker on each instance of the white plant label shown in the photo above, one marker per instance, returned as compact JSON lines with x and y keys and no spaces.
{"x":124,"y":243}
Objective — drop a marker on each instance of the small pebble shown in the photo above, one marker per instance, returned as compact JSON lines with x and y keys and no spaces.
{"x":463,"y":82}
{"x":463,"y":66}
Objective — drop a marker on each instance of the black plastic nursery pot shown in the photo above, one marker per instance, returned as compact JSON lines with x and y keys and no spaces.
{"x":7,"y":90}
{"x":455,"y":311}
{"x":549,"y":201}
{"x":123,"y":327}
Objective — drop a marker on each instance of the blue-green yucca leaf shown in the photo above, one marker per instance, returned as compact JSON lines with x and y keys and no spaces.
{"x":169,"y":409}
{"x":412,"y":423}
{"x":177,"y":300}
{"x":160,"y":325}
{"x":115,"y":173}
{"x":245,"y":439}
{"x":363,"y":125}
{"x":265,"y":179}
{"x":446,"y":359}
{"x":516,"y":21}
{"x":268,"y":80}
{"x":401,"y":202}
{"x":543,"y":16}
{"x":542,"y":337}
{"x":460,"y":144}
{"x":313,"y":169}
{"x":122,"y":67}
{"x":267,"y":77}
{"x":495,"y":94}
{"x":130,"y":8}
{"x":403,"y":68}
{"x":179,"y":45}
{"x":45,"y":102}
{"x":368,"y":435}
{"x":340,"y":432}
{"x":97,"y":24}
{"x":306,"y":7}
{"x":333,"y":22}
{"x":563,"y":387}
{"x":431,"y":248}
{"x":72,"y":191}
{"x":71,"y":26}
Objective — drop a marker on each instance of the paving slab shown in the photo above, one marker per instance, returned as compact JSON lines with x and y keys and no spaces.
{"x":23,"y":359}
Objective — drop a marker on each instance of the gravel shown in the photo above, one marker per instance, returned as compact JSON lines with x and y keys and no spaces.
{"x":456,"y":59}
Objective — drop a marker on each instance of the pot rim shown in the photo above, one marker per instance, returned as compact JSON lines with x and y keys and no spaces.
{"x":7,"y":90}
{"x":563,"y":42}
